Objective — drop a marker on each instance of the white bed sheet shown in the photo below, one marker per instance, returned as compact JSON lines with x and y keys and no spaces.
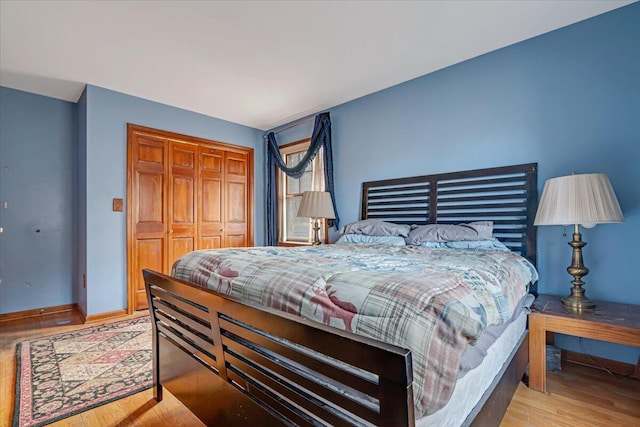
{"x":471,"y":388}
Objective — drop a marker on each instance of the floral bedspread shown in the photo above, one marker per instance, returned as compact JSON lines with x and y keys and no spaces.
{"x":431,"y":301}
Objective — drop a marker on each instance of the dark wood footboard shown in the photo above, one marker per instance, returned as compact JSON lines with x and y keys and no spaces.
{"x":234,"y":364}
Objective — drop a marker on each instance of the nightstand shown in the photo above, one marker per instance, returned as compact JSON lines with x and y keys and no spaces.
{"x":610,"y":322}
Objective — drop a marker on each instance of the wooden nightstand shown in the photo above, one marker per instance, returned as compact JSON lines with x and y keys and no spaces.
{"x":611,"y":322}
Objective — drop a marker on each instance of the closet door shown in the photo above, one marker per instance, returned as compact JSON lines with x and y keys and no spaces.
{"x":147,"y":210}
{"x":211,"y":190}
{"x":237,"y":199}
{"x":183,"y":194}
{"x":182,"y":224}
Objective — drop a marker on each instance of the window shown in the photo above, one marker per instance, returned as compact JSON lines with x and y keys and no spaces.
{"x":291,"y":228}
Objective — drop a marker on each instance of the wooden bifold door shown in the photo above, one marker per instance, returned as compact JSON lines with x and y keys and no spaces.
{"x":183,"y":193}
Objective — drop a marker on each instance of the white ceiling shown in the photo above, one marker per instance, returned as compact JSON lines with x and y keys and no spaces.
{"x":258,"y":63}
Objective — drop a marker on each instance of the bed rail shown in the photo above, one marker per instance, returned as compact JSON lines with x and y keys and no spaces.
{"x":264,"y":367}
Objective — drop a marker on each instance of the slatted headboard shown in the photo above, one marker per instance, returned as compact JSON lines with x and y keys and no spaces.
{"x":507,"y":195}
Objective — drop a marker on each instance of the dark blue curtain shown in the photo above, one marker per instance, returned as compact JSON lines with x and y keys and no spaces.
{"x":321,"y":137}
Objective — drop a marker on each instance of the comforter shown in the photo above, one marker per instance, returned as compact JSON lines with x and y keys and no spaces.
{"x":431,"y":301}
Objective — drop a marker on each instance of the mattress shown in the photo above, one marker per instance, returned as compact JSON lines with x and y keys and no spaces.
{"x":469,"y":393}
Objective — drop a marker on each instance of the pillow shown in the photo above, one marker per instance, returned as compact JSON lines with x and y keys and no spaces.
{"x":485,"y":245}
{"x":366,"y":239}
{"x":481,"y":230}
{"x":374,"y":227}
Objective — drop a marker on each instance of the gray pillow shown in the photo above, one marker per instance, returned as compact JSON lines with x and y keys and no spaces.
{"x":374,"y":227}
{"x":366,"y":239}
{"x":480,"y":230}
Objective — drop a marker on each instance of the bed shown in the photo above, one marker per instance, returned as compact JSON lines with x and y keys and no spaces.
{"x":235,"y":362}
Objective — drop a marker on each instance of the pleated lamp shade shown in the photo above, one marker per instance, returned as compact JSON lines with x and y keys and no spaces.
{"x":586,"y":199}
{"x":316,"y":204}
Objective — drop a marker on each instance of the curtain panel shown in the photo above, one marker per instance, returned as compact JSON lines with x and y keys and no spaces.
{"x":321,"y":137}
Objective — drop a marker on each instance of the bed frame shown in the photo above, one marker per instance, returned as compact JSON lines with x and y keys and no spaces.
{"x":233,"y":363}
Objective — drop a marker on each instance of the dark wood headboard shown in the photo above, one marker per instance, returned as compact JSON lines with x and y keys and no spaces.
{"x":506,"y":195}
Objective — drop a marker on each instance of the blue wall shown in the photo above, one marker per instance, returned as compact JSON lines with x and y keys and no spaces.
{"x":569,"y":100}
{"x":107,"y":115}
{"x":37,"y":138}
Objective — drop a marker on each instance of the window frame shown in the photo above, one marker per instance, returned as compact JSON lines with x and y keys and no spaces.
{"x":300,"y":146}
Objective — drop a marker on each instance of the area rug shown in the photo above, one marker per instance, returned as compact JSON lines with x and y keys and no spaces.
{"x":62,"y":375}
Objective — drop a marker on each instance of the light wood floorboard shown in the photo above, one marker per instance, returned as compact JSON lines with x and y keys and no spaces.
{"x":577,"y":396}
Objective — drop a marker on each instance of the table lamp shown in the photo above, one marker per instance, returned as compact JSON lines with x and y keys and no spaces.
{"x":316,"y":205}
{"x":587,"y":200}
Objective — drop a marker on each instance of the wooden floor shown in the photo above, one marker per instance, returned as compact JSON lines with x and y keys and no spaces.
{"x":577,"y":396}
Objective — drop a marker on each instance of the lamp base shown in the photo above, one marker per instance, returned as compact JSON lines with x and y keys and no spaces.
{"x":578,"y":303}
{"x":316,"y":229}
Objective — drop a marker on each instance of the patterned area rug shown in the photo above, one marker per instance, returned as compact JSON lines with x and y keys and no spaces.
{"x":65,"y":374}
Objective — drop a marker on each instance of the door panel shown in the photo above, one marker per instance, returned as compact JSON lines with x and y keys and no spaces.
{"x":180,"y":246}
{"x":236,"y":241}
{"x":211,"y":160}
{"x":236,"y":166}
{"x":182,"y":206}
{"x":149,"y":151}
{"x":149,"y":254}
{"x":146,"y":211}
{"x":211,"y":201}
{"x":236,"y":203}
{"x":213,"y":242}
{"x":236,"y":200}
{"x":211,"y":214}
{"x":150,"y":202}
{"x":182,"y":229}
